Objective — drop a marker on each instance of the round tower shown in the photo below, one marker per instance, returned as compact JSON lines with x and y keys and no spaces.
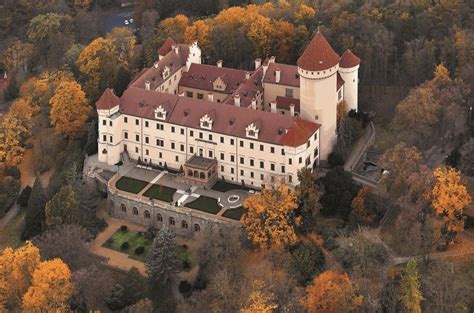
{"x":317,"y":68}
{"x":349,"y":71}
{"x":109,"y":147}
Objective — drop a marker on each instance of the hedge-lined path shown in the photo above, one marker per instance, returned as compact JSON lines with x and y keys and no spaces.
{"x":115,"y":258}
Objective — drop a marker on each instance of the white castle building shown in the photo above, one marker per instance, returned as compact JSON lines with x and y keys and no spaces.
{"x":257,"y":125}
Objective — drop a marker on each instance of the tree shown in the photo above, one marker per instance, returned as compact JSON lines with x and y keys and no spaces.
{"x":142,"y":306}
{"x":270,"y":218}
{"x":91,"y":287}
{"x":98,"y":64}
{"x":307,"y":260}
{"x":162,"y":262}
{"x":67,"y":242}
{"x":11,"y":92}
{"x":124,"y":42}
{"x":331,"y":292}
{"x":69,"y":109}
{"x":260,"y":301}
{"x":173,"y":27}
{"x":308,"y":192}
{"x":63,"y":208}
{"x":366,"y":209}
{"x":411,"y":288}
{"x":35,"y":214}
{"x":339,"y":190}
{"x":12,"y":136}
{"x":400,"y":162}
{"x":449,"y":198}
{"x":16,"y":274}
{"x":91,"y":145}
{"x":121,"y":81}
{"x":342,"y":110}
{"x":17,"y":55}
{"x":24,"y":197}
{"x":199,"y":31}
{"x":50,"y":288}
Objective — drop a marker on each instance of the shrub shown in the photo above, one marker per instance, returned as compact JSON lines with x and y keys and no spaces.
{"x":151,"y":232}
{"x":307,"y":261}
{"x":185,"y":288}
{"x":139,"y":250}
{"x":13,"y":171}
{"x":123,"y":227}
{"x":335,"y":159}
{"x":24,"y":197}
{"x":124,"y":246}
{"x":454,"y":158}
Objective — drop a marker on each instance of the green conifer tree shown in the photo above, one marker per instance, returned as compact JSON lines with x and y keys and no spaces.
{"x":162,"y":262}
{"x":35,"y":213}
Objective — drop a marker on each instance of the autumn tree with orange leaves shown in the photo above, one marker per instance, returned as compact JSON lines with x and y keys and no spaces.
{"x":332,"y":292}
{"x":69,"y":109}
{"x":449,"y":198}
{"x":260,"y":300}
{"x":270,"y":220}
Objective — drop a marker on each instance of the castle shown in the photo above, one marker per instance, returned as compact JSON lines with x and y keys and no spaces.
{"x":241,"y":126}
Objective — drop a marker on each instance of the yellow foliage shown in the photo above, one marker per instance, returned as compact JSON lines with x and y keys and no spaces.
{"x":69,"y":109}
{"x":124,"y":42}
{"x":441,"y":74}
{"x":174,"y":27}
{"x":50,"y":288}
{"x":16,"y":271}
{"x":17,"y":55}
{"x":270,"y":218}
{"x":342,"y":110}
{"x":449,"y":198}
{"x":24,"y":109}
{"x":12,"y":135}
{"x":260,"y":301}
{"x":304,"y":13}
{"x":331,"y":292}
{"x":199,"y":30}
{"x":41,"y":89}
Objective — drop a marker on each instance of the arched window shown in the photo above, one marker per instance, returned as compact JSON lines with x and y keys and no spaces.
{"x":147,"y":214}
{"x":202,"y":175}
{"x":159,"y":217}
{"x":196,"y":174}
{"x":135,"y":211}
{"x":190,"y":173}
{"x":197,"y":227}
{"x":123,"y":207}
{"x":184,"y":225}
{"x":172,"y":221}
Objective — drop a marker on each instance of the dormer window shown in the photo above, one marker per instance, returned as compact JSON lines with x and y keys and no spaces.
{"x":206,"y":122}
{"x":252,"y":131}
{"x":166,"y":72}
{"x":160,"y":113}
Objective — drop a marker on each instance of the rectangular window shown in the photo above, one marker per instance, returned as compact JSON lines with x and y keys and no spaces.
{"x":146,"y":123}
{"x":110,"y":123}
{"x":315,"y":136}
{"x":191,"y":149}
{"x":252,"y":162}
{"x":200,"y":135}
{"x":232,"y":158}
{"x":147,"y":140}
{"x":137,"y":121}
{"x":251,"y":145}
{"x":272,"y":150}
{"x":125,"y":119}
{"x":172,"y":129}
{"x":176,"y":158}
{"x":222,"y":139}
{"x":191,"y":133}
{"x":283,"y":169}
{"x":262,"y":164}
{"x":147,"y":152}
{"x":272,"y":167}
{"x":182,"y":131}
{"x":282,"y":151}
{"x":210,"y":154}
{"x":210,"y":137}
{"x":172,"y":145}
{"x":289,"y":92}
{"x":189,"y":94}
{"x":232,"y":170}
{"x":261,"y":147}
{"x":241,"y":143}
{"x":137,"y":137}
{"x":290,"y":178}
{"x":262,"y":177}
{"x":181,"y":147}
{"x":104,"y":122}
{"x":300,"y":160}
{"x":251,"y":174}
{"x":125,"y":135}
{"x":290,"y":161}
{"x":222,"y":156}
{"x":241,"y":160}
{"x":232,"y":142}
{"x":200,"y":96}
{"x":242,"y":172}
{"x":222,"y":168}
{"x":136,"y":149}
{"x":104,"y":138}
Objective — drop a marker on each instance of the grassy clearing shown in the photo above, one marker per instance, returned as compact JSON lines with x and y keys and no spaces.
{"x":235,"y":214}
{"x":205,"y":204}
{"x":160,"y":192}
{"x":131,"y":185}
{"x":10,"y":235}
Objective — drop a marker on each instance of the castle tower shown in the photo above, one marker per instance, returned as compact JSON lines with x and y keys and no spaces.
{"x":109,"y":147}
{"x":317,"y":67}
{"x":348,"y":69}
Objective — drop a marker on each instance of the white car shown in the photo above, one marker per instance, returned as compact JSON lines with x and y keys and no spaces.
{"x":126,"y":22}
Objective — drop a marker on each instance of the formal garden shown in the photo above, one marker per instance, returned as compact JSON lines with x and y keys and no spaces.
{"x":160,"y":192}
{"x":205,"y":204}
{"x":138,"y":245}
{"x":131,"y":185}
{"x":235,"y":214}
{"x":224,"y":186}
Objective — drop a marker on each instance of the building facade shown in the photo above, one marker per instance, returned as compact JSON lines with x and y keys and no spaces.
{"x":258,"y":125}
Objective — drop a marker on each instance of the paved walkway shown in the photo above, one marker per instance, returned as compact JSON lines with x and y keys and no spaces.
{"x":12,"y":212}
{"x":114,"y":258}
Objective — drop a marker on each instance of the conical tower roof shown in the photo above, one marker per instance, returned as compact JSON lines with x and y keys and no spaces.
{"x":318,"y":55}
{"x":349,"y":60}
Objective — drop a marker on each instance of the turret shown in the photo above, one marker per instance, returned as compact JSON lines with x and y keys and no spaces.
{"x":109,"y":148}
{"x":349,"y":69}
{"x":317,"y":68}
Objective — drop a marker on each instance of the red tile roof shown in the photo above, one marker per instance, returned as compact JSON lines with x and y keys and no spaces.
{"x":299,"y":132}
{"x":288,"y":74}
{"x":318,"y":55}
{"x":166,"y":46}
{"x":202,"y":76}
{"x":108,"y":100}
{"x":340,"y":81}
{"x":227,"y":119}
{"x":248,"y":89}
{"x":349,"y":59}
{"x":283,"y":103}
{"x":155,"y":74}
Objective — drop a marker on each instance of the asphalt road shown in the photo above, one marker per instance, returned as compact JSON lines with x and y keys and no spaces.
{"x":117,"y":20}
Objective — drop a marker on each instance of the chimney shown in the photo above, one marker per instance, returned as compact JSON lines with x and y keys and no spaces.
{"x":219,"y":63}
{"x":272,"y":59}
{"x":156,"y":64}
{"x":181,"y":94}
{"x":254,"y":104}
{"x":292,"y":109}
{"x":258,"y":63}
{"x":247,"y":75}
{"x":147,"y":85}
{"x":237,"y":100}
{"x":273,"y":107}
{"x":210,"y":97}
{"x":277,"y":75}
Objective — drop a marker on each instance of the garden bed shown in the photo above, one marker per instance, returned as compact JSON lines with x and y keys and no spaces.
{"x":235,"y":214}
{"x":131,"y":185}
{"x":205,"y":204}
{"x":160,"y":192}
{"x":224,"y":186}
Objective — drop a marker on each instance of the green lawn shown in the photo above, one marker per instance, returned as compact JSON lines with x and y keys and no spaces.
{"x":136,"y":240}
{"x":160,"y":192}
{"x":205,"y":204}
{"x":235,"y":214}
{"x":224,"y":186}
{"x":130,"y":184}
